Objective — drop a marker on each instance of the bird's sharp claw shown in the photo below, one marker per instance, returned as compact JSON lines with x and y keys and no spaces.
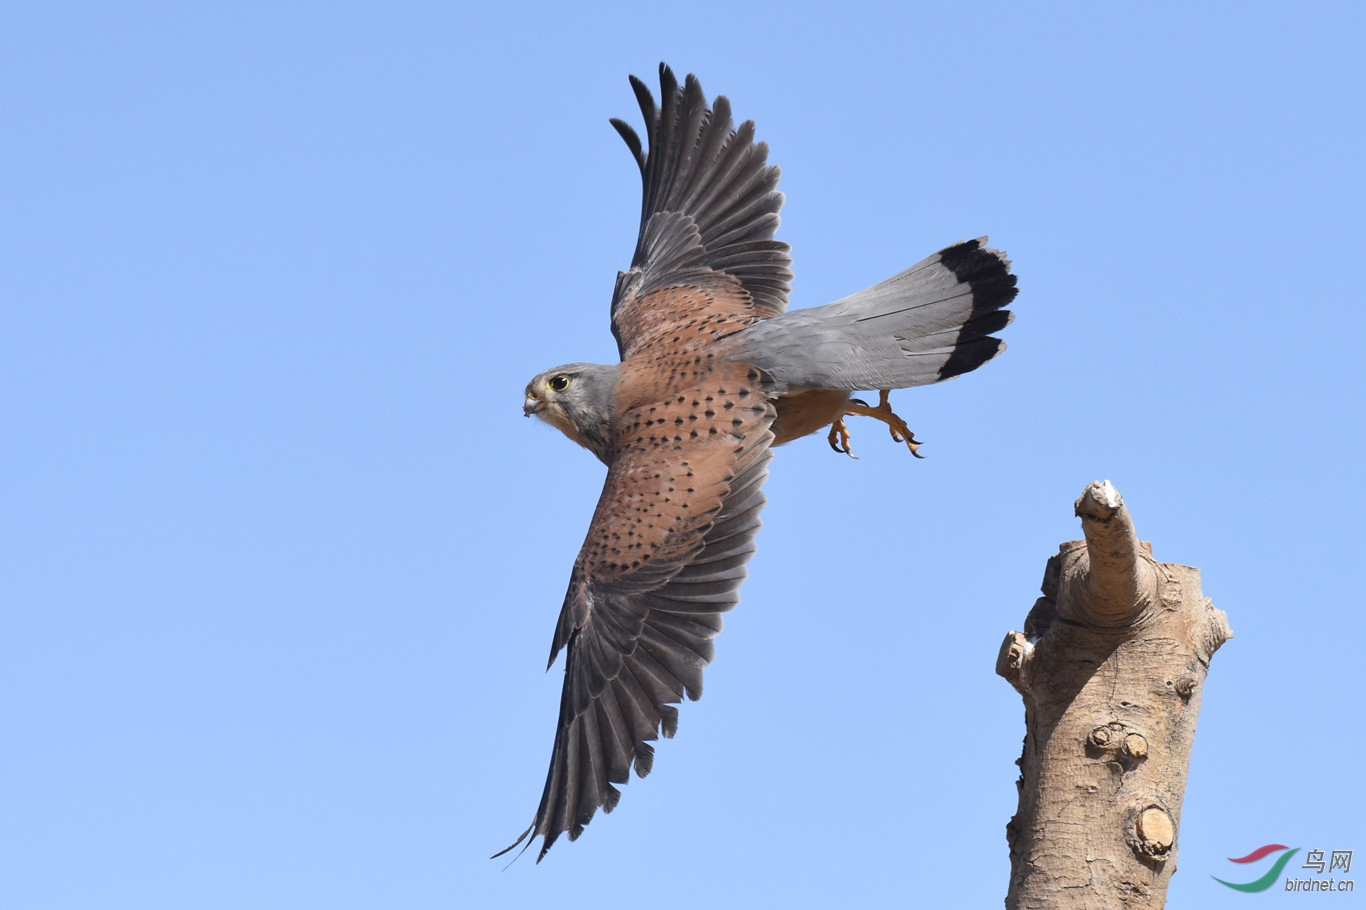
{"x":839,"y":438}
{"x":883,"y":412}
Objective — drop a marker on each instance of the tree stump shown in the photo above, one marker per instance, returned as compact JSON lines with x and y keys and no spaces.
{"x":1110,"y":665}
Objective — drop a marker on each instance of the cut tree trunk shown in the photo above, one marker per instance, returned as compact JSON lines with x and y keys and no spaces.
{"x":1111,"y":665}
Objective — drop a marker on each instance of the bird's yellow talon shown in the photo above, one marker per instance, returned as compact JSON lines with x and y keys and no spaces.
{"x":883,"y":412}
{"x":839,"y":438}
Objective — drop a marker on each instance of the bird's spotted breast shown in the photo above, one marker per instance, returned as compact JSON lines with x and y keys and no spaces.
{"x":675,"y":456}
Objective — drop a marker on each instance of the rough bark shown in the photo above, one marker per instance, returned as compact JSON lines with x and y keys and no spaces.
{"x":1111,"y":665}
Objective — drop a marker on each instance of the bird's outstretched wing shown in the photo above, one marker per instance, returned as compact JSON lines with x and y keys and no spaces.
{"x":663,"y":559}
{"x":706,"y":252}
{"x":667,"y":546}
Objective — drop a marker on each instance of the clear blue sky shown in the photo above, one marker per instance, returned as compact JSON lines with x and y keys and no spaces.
{"x":280,"y":559}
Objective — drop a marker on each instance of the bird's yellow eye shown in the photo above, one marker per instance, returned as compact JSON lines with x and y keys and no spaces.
{"x":557,"y":383}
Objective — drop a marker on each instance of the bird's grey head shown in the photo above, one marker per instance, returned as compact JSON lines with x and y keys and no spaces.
{"x":577,"y":399}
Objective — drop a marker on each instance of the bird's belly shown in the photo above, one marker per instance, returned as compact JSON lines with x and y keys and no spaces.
{"x":802,"y":413}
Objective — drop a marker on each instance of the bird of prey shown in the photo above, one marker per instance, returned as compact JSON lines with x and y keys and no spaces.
{"x":713,"y":374}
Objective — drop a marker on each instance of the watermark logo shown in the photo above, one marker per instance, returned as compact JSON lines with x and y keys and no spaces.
{"x":1267,"y":880}
{"x":1339,"y":860}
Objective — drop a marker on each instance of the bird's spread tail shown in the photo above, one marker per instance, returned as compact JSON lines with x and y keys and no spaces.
{"x":929,"y":323}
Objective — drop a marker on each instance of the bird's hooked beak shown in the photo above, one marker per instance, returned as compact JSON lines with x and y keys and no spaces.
{"x":531,"y":405}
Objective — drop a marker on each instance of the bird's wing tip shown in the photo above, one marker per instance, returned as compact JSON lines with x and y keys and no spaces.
{"x":521,"y":837}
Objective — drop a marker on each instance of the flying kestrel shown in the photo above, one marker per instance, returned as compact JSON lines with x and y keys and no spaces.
{"x":713,"y":374}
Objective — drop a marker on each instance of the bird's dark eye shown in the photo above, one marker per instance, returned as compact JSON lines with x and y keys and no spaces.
{"x":557,"y":383}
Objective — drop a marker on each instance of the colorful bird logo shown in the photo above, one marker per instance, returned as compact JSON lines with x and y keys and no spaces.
{"x":1272,"y":874}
